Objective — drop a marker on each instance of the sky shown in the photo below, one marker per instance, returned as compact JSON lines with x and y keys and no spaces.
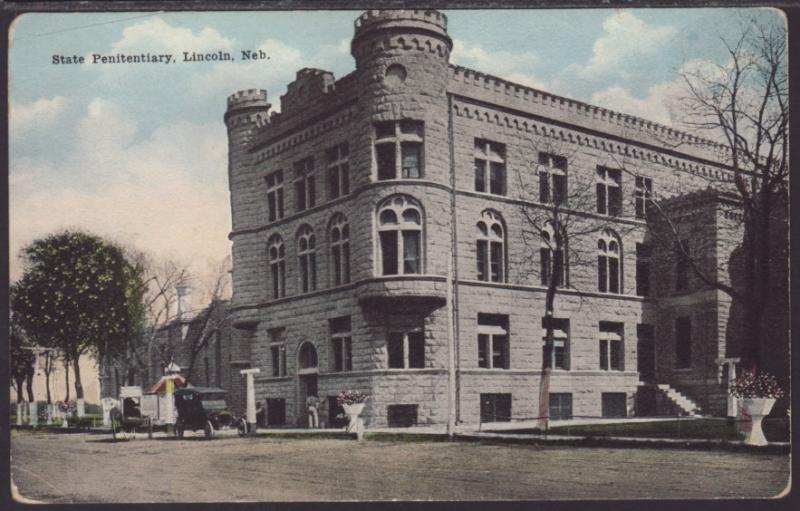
{"x":137,"y":152}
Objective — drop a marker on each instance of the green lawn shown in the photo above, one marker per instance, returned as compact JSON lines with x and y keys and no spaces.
{"x":776,"y":430}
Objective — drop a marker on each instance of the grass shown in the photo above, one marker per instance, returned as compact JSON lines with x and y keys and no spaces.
{"x":776,"y":430}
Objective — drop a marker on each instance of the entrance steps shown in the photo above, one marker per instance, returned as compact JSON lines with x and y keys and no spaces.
{"x":685,"y":404}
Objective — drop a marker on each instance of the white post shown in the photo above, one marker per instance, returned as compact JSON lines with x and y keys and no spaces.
{"x":33,"y":413}
{"x":19,"y":414}
{"x":49,"y":414}
{"x":251,"y":397}
{"x":81,"y":408}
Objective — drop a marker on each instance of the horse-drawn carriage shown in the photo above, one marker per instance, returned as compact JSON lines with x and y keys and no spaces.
{"x":204,"y":408}
{"x":127,"y":417}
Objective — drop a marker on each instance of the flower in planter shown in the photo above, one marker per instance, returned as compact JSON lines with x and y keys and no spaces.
{"x":752,"y":385}
{"x":351,"y":397}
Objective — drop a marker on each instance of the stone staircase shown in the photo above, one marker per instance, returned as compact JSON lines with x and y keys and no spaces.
{"x":686,"y":405}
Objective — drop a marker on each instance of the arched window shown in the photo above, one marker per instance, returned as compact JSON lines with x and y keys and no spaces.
{"x":491,"y":255}
{"x":552,"y":263}
{"x":400,"y":233}
{"x":340,"y":250}
{"x":307,"y":259}
{"x":609,"y":255}
{"x":307,"y":356}
{"x":277,"y":265}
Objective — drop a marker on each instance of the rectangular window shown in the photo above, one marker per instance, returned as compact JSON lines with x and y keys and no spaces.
{"x":276,"y":411}
{"x":274,"y":183}
{"x":609,"y":191}
{"x":558,"y":355}
{"x":490,"y":157}
{"x":552,"y":179}
{"x":402,"y":416}
{"x":406,"y":350}
{"x":643,"y":192}
{"x":341,"y":344}
{"x":304,"y":184}
{"x":683,"y":342}
{"x":645,"y":352}
{"x":493,"y":348}
{"x":389,"y":251}
{"x":643,"y":269}
{"x":611,"y":346}
{"x":399,"y":143}
{"x":338,"y":171}
{"x":560,"y":406}
{"x":614,"y":404}
{"x":495,"y":407}
{"x":682,"y":266}
{"x":278,"y":351}
{"x":411,"y":252}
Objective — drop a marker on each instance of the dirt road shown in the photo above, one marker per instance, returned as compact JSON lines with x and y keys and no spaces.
{"x":89,"y":468}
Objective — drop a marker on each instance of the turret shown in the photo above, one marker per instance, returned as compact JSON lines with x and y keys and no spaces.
{"x":423,"y":30}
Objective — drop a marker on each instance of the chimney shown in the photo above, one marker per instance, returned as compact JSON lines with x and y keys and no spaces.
{"x":184,"y":301}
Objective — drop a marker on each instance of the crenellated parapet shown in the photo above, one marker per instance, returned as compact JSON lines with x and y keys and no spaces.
{"x":247,"y":106}
{"x":379,"y":31}
{"x":309,"y":86}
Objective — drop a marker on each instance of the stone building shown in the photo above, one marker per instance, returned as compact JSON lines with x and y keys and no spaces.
{"x":199,"y":342}
{"x":381,"y":243}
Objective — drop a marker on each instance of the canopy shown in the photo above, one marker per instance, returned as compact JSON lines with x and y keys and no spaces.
{"x":161,"y":386}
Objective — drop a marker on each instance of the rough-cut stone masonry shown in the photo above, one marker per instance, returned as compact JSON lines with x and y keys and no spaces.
{"x":403,"y":73}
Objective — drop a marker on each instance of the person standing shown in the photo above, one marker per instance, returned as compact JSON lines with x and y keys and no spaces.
{"x":312,"y":404}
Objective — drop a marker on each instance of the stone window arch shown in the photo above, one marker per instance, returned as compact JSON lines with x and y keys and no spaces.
{"x":609,"y":262}
{"x":552,"y":257}
{"x":276,"y":252}
{"x":306,"y":258}
{"x":491,"y":247}
{"x":340,"y":249}
{"x":400,"y":236}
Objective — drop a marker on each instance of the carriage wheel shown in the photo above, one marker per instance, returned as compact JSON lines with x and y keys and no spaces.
{"x":209,"y":430}
{"x":179,"y":429}
{"x":241,"y":427}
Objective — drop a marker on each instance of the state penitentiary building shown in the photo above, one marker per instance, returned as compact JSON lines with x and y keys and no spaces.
{"x":382,"y":242}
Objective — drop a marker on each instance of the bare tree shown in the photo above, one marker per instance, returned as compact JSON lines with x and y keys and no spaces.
{"x":742,"y":103}
{"x":563,"y":229}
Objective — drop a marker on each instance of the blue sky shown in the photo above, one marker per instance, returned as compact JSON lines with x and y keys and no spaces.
{"x":137,"y":152}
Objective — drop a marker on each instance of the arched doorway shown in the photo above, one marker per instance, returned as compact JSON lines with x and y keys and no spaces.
{"x":306,"y":378}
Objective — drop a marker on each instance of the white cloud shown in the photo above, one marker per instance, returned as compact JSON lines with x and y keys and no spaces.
{"x":512,"y":66}
{"x":166,"y":195}
{"x":39,"y":114}
{"x":226,"y":78}
{"x":156,"y":34}
{"x":657,"y":105}
{"x":626,"y":38}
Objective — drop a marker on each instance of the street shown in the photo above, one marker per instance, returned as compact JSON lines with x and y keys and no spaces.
{"x":72,"y":468}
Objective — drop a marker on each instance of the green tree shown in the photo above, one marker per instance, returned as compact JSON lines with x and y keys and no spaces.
{"x":22,"y":359}
{"x":80,"y":293}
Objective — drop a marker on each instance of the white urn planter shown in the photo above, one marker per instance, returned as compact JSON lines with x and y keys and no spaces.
{"x":757,"y":409}
{"x":355,"y":423}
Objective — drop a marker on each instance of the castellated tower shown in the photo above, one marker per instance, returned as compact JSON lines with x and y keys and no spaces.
{"x":402,"y":70}
{"x":247,"y":111}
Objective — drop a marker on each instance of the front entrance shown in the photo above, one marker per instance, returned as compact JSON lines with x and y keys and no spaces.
{"x":646,"y":356}
{"x":306,"y":380}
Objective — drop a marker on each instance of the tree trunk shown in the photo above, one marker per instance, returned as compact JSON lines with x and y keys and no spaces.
{"x":66,"y":378}
{"x":20,"y":382}
{"x":48,"y":367}
{"x":29,"y":384}
{"x":77,"y":368}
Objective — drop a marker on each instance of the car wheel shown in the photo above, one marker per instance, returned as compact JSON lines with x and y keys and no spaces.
{"x":209,"y":430}
{"x":241,"y":427}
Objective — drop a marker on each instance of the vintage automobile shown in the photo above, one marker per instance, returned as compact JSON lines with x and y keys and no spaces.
{"x":204,"y":408}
